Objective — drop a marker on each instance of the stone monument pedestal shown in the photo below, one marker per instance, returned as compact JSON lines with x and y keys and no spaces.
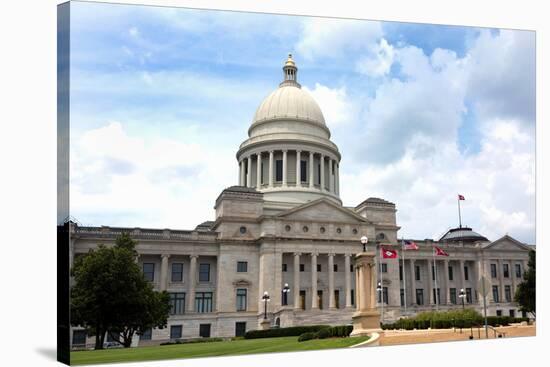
{"x":367,"y":317}
{"x":265,"y":324}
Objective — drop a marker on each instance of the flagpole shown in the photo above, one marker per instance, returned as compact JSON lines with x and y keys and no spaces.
{"x":381,"y":282}
{"x":459,"y":216}
{"x":404,"y":272}
{"x":435,"y":276}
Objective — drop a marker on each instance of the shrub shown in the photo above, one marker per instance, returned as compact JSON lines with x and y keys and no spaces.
{"x":440,"y":320}
{"x":287,"y":331}
{"x":324,"y":333}
{"x":307,"y":336}
{"x":339,"y":331}
{"x":192,"y":341}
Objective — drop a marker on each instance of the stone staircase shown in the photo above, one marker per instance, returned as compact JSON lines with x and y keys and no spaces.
{"x":323,"y":317}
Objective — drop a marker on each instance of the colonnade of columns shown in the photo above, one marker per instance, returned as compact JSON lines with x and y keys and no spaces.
{"x":313,"y":177}
{"x":192,"y":279}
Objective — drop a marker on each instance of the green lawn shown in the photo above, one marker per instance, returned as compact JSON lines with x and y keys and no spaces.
{"x":224,"y":348}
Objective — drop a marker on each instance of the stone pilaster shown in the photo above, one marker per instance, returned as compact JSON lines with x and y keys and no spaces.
{"x":311,"y":169}
{"x":270,"y":169}
{"x":285,"y":167}
{"x":164,"y":272}
{"x":249,"y":173}
{"x":330,"y":175}
{"x":259,"y":171}
{"x":347,"y":264}
{"x":298,"y":169}
{"x":413,"y":281}
{"x":332,"y":301}
{"x":297,"y":281}
{"x":322,"y":172}
{"x":314,"y":303}
{"x":192,"y":283}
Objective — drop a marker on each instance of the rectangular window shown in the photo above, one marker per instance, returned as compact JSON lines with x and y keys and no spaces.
{"x":419,"y":296}
{"x":302,"y":267}
{"x":499,"y":312}
{"x":303,"y":300}
{"x":508,"y":293}
{"x":149,"y":271}
{"x":204,"y":330}
{"x":400,"y":272}
{"x":417,"y":272}
{"x":175,"y":332}
{"x":79,"y":337}
{"x":384,"y":295}
{"x":433,"y":272}
{"x":336,"y":298}
{"x":320,"y":299}
{"x":319,"y":175}
{"x":384,"y":267}
{"x":204,"y":272}
{"x":177,"y":303}
{"x":512,"y":313}
{"x":351,"y":268}
{"x":469,"y":295}
{"x":279,"y":170}
{"x":147,"y":334}
{"x":335,"y":266}
{"x":452,"y":294}
{"x":240,"y":328}
{"x":177,"y":272}
{"x":450,"y":273}
{"x":505,"y":271}
{"x":352,"y":297}
{"x":493,"y":270}
{"x":518,"y":271}
{"x":402,"y":296}
{"x":303,"y":171}
{"x":495,"y":294}
{"x":242,"y":266}
{"x":437,"y":297}
{"x":318,"y":267}
{"x":203,"y":302}
{"x":284,"y":267}
{"x":241,"y":299}
{"x":466,"y":276}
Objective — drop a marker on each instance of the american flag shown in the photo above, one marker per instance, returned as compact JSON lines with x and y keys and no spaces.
{"x":410,"y":245}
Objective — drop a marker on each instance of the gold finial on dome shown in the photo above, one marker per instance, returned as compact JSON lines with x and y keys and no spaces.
{"x":290,"y":61}
{"x":289,"y":71}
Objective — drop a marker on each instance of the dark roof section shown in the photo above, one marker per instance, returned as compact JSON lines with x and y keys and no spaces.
{"x":204,"y":226}
{"x":465,"y":234}
{"x":242,"y":189}
{"x":376,"y":201}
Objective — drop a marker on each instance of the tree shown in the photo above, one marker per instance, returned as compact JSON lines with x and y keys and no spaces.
{"x":525,"y":293}
{"x":111,"y":295}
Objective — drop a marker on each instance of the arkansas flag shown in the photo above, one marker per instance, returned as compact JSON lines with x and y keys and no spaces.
{"x":461,"y":197}
{"x":440,"y":252}
{"x":409,"y":245}
{"x":388,"y":253}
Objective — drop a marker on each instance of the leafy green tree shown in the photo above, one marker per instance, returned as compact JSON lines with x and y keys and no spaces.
{"x":110,"y":294}
{"x":525,"y":293}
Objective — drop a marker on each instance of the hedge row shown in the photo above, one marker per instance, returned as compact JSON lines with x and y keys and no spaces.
{"x":286,"y":331}
{"x":191,"y":341}
{"x":327,"y":332}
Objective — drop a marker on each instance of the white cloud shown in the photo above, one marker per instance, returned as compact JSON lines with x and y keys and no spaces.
{"x":333,"y":38}
{"x":133,"y":31}
{"x":379,"y":61}
{"x":335,"y":104}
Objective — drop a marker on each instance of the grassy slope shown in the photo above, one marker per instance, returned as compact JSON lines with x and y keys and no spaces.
{"x":225,"y":348}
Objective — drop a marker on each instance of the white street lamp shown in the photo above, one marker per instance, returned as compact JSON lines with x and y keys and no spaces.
{"x":364,"y":241}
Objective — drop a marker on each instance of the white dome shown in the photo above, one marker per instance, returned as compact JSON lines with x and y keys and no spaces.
{"x":289,"y":101}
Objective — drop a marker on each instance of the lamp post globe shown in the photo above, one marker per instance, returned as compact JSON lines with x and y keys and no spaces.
{"x":265,"y":297}
{"x":364,"y":241}
{"x":286,"y":289}
{"x":462,"y":295}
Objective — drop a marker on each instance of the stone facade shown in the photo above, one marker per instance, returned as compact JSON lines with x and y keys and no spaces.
{"x":284,"y":224}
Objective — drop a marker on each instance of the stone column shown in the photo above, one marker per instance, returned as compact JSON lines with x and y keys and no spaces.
{"x":446,"y":292}
{"x":298,"y":170}
{"x":192,"y":282}
{"x":314,"y":304}
{"x":461,"y":275}
{"x":431,"y":300}
{"x":284,"y":167}
{"x":241,"y":173}
{"x":367,"y":318}
{"x":322,"y":172}
{"x":500,"y":275}
{"x":347,"y":264}
{"x":270,"y":169}
{"x":297,"y":281}
{"x":337,"y":178}
{"x":332,"y":301}
{"x":330,"y":175}
{"x":413,"y":282}
{"x":513,"y":277}
{"x":249,"y":173}
{"x":164,"y":272}
{"x":311,"y":169}
{"x":259,"y":171}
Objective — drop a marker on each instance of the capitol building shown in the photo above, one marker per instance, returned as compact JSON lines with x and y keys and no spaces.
{"x":284,"y":230}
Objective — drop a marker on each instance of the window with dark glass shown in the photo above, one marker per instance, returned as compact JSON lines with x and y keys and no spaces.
{"x":79,"y":337}
{"x":203,"y":302}
{"x":303,"y":300}
{"x":177,"y":303}
{"x":175,"y":332}
{"x":505,"y":270}
{"x":302,"y":267}
{"x":318,"y":267}
{"x":149,"y":271}
{"x":335,"y":266}
{"x":319,"y":175}
{"x":512,"y":313}
{"x":400,"y":272}
{"x":241,"y":299}
{"x":469,"y":295}
{"x":147,"y":334}
{"x":240,"y":328}
{"x":518,"y":271}
{"x":177,"y":272}
{"x":508,"y":293}
{"x":499,"y":312}
{"x":352,"y":297}
{"x":493,"y":270}
{"x":436,"y":295}
{"x":419,"y":296}
{"x":336,"y":298}
{"x":351,"y":268}
{"x":242,"y":266}
{"x":204,"y":330}
{"x":433,"y":272}
{"x":320,"y":299}
{"x":384,"y":267}
{"x":284,"y":267}
{"x":303,"y":171}
{"x":466,"y":276}
{"x":278,"y":170}
{"x":451,"y":273}
{"x":204,"y":272}
{"x":384,"y":295}
{"x":495,"y":293}
{"x":402,"y":296}
{"x":417,"y":272}
{"x":452,"y":295}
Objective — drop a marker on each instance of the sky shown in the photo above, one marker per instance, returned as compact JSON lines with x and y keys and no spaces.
{"x":161,"y":98}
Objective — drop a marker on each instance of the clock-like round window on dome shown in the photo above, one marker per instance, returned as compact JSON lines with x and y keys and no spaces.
{"x":355,"y":231}
{"x":305,"y":229}
{"x":242,"y":230}
{"x":322,"y":229}
{"x":287,"y":228}
{"x":338,"y":230}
